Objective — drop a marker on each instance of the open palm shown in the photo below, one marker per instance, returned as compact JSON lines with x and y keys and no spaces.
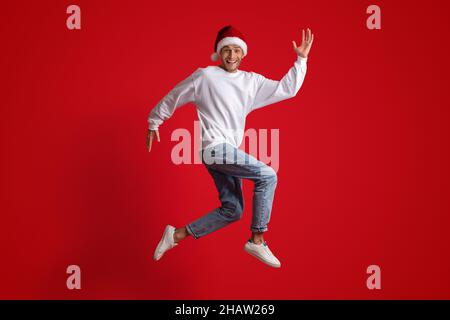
{"x":305,"y":46}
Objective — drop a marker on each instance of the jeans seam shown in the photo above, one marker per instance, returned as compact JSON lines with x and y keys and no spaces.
{"x":263,"y":205}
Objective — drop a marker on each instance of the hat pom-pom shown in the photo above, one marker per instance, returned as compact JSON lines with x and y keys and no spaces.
{"x":214,"y":56}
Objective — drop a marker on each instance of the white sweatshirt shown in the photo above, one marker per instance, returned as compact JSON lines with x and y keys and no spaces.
{"x":224,"y":99}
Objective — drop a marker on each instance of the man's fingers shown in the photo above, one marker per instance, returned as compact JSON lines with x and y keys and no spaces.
{"x":150,"y":141}
{"x":307,"y":39}
{"x":150,"y":136}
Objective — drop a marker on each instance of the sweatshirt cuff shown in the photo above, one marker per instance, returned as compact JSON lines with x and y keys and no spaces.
{"x":301,"y":59}
{"x":152,"y":127}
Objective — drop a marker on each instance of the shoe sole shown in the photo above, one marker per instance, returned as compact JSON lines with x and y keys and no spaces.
{"x":160,"y":244}
{"x":261,"y":259}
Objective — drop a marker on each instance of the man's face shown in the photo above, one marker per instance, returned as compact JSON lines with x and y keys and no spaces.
{"x":231,"y":57}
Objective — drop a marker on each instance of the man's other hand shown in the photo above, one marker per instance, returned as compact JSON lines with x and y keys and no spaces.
{"x":150,"y":136}
{"x":305,"y":46}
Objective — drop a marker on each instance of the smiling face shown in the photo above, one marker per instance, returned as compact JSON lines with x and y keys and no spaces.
{"x":231,"y":57}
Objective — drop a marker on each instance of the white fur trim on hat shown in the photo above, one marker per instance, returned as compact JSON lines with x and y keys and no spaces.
{"x":227,"y":41}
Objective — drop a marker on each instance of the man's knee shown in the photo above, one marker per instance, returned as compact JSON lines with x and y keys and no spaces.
{"x":268,"y":175}
{"x":233,"y":213}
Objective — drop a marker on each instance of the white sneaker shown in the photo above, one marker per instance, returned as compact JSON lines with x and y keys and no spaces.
{"x":167,"y":242}
{"x":263,"y":253}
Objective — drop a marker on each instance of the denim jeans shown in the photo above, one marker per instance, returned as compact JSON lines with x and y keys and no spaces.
{"x":228,"y":166}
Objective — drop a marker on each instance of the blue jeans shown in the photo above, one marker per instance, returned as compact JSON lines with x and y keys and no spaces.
{"x":228,"y":166}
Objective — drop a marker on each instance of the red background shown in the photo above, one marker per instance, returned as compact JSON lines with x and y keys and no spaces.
{"x":364,"y":152}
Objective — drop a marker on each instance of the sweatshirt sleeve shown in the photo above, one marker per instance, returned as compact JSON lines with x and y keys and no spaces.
{"x":271,"y":91}
{"x":181,"y":94}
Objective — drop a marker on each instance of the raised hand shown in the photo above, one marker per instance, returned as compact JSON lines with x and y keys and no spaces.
{"x":305,"y":46}
{"x":150,"y":136}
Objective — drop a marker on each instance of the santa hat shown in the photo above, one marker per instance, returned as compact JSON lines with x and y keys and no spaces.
{"x":226,"y":36}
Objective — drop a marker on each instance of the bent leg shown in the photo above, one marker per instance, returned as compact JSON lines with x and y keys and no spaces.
{"x":234,"y":162}
{"x":232,"y":205}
